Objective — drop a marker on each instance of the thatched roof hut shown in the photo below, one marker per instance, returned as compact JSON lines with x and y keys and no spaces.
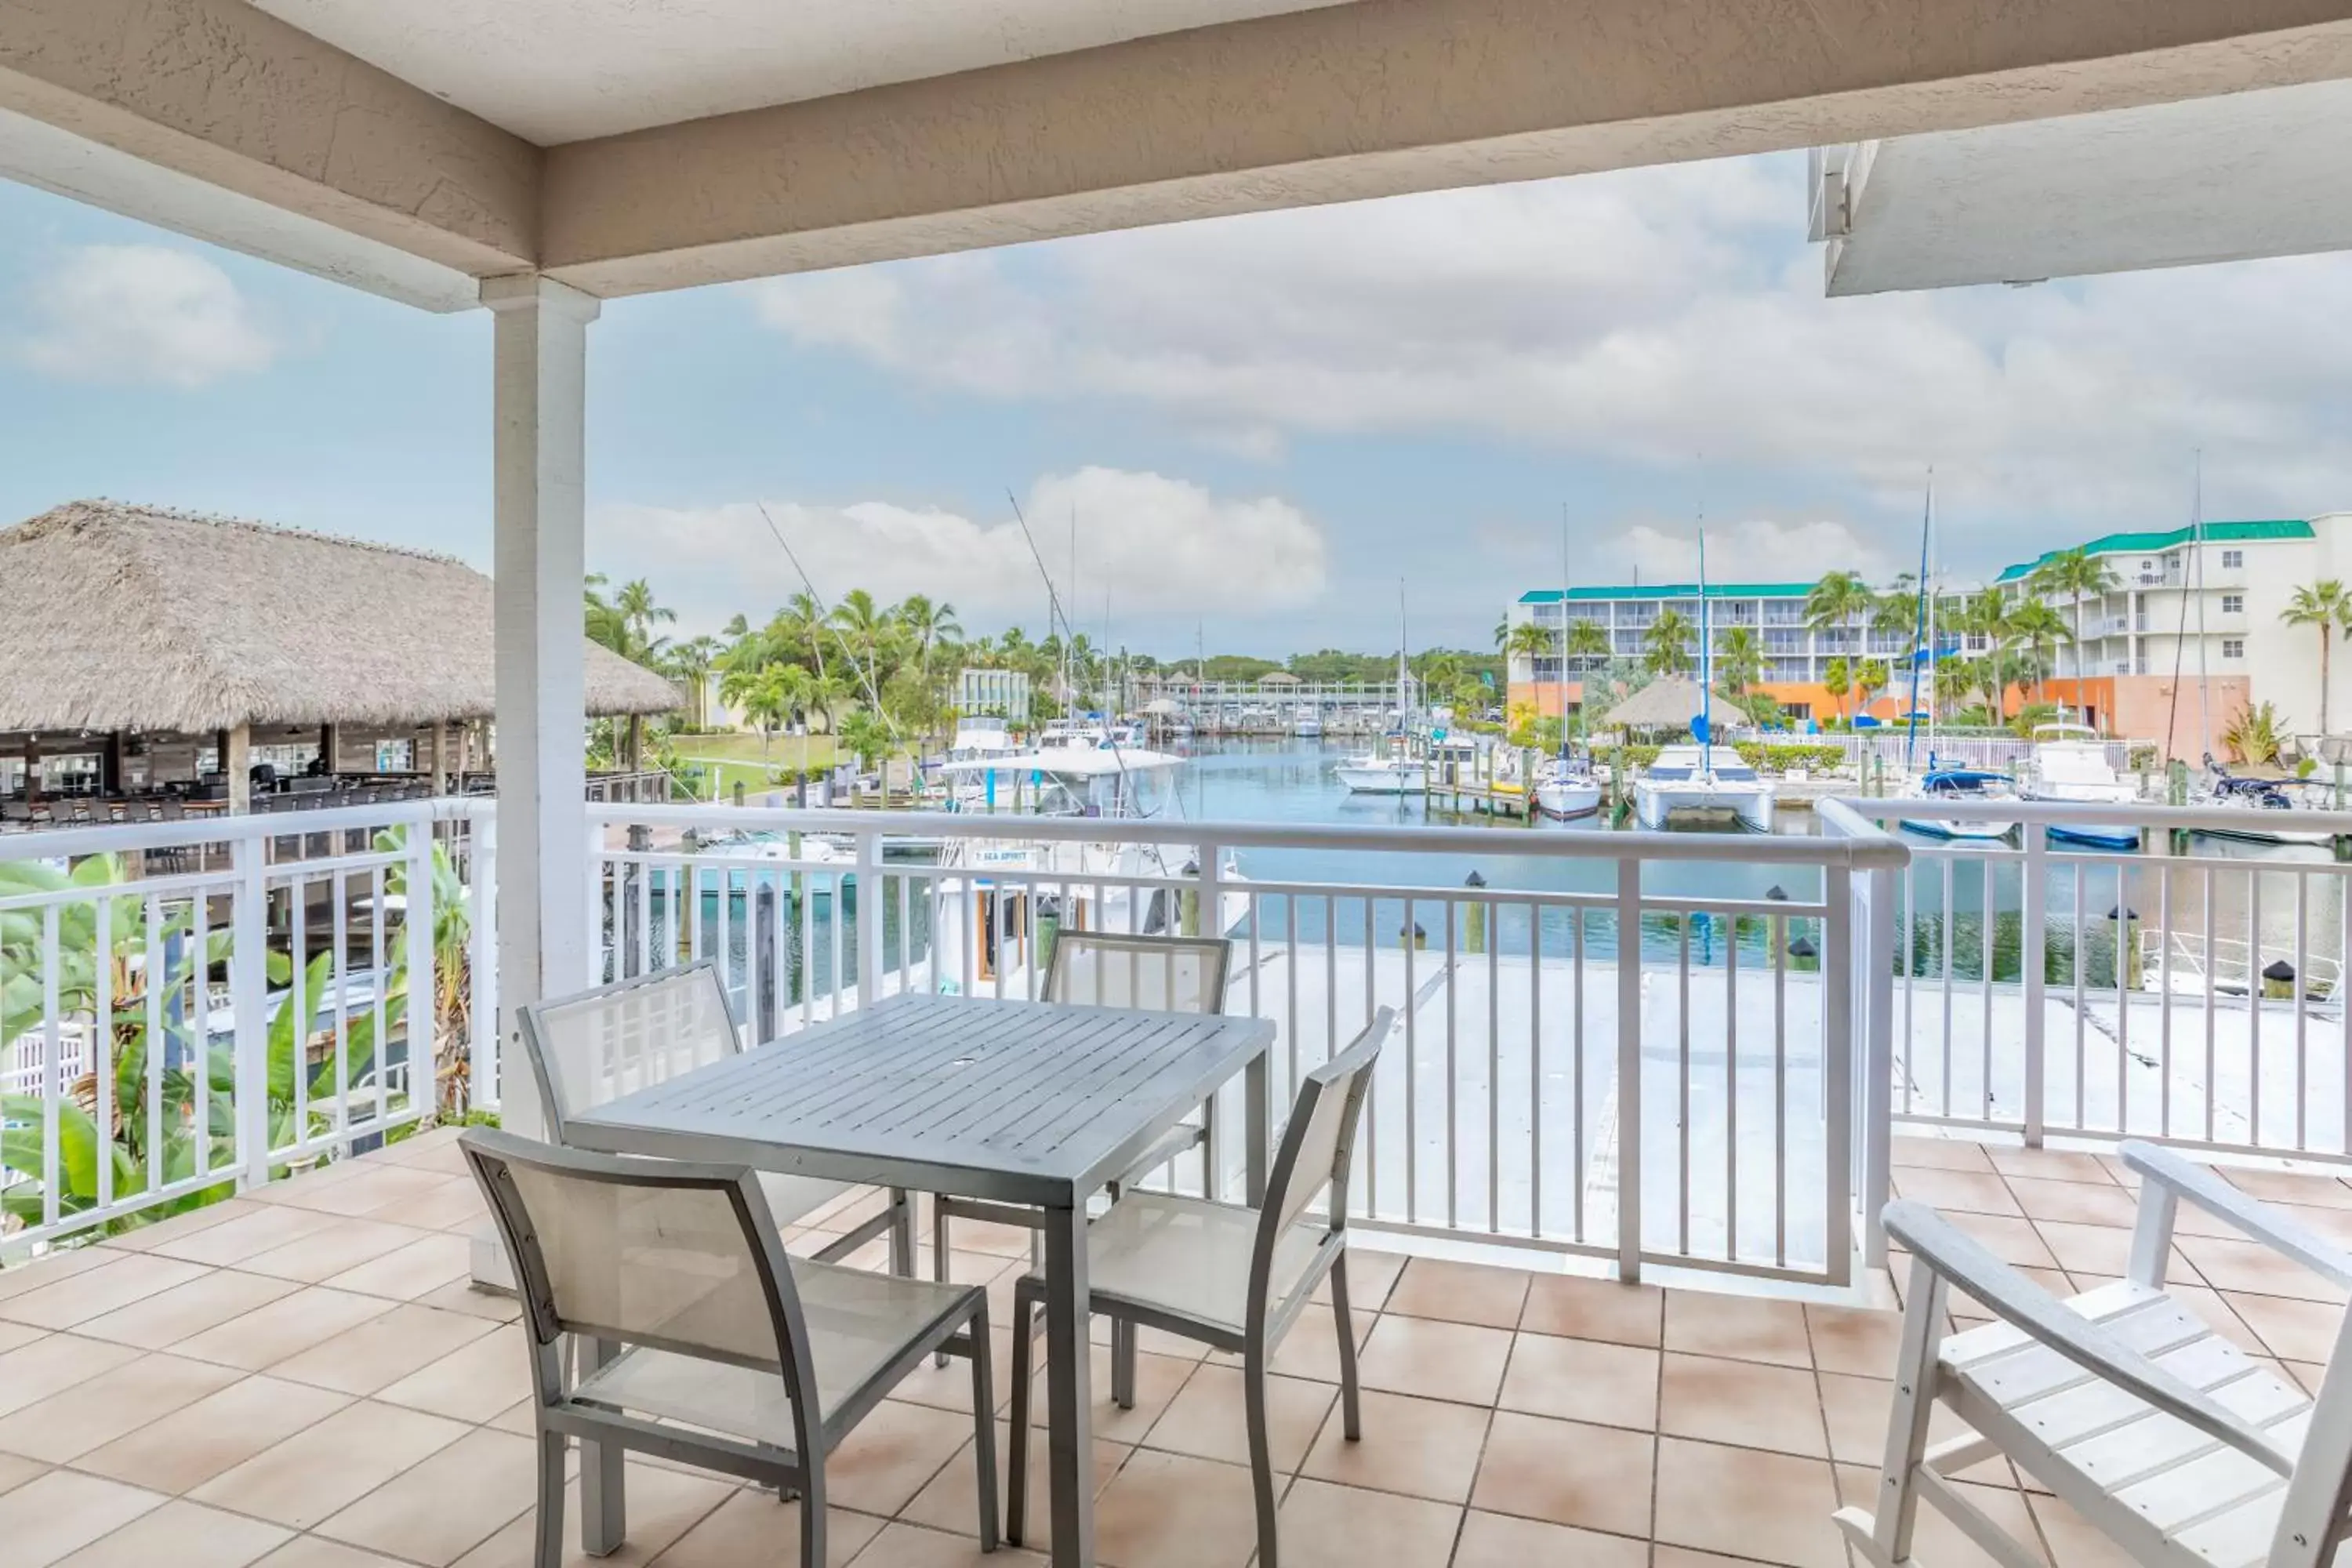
{"x":137,"y":619}
{"x":1670,"y":702}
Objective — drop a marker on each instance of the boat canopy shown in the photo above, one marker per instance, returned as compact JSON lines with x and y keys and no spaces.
{"x":1068,"y":762}
{"x":1962,"y":780}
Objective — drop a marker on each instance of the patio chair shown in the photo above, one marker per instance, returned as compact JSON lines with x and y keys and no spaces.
{"x":700,"y":1340}
{"x":1231,"y":1277}
{"x":2160,"y":1432}
{"x":598,"y":1045}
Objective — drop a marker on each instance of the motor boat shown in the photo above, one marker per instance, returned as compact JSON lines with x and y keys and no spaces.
{"x":2071,"y":767}
{"x":1702,"y":782}
{"x":1969,"y":786}
{"x":1566,"y":789}
{"x":1384,"y":773}
{"x":2223,"y":788}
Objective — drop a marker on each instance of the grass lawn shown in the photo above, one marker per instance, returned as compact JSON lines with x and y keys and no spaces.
{"x":726,"y":759}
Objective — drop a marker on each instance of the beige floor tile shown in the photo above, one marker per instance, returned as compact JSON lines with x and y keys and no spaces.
{"x":1743,"y":1328}
{"x":172,"y":1227}
{"x":2071,"y":1541}
{"x":377,"y":1190}
{"x":2074,"y":1203}
{"x":1563,"y":1472}
{"x":1311,"y":1348}
{"x":1434,"y":1360}
{"x":949,"y":1387}
{"x":1940,"y":1154}
{"x":1747,"y":1404}
{"x":1936,"y":1539}
{"x":985,"y":1236}
{"x":383,"y":1350}
{"x":2274,"y":1186}
{"x":407,"y":1272}
{"x":2101,"y":1249}
{"x":453,"y":1206}
{"x":56,"y":1514}
{"x":2050,"y":1164}
{"x":15,"y":1335}
{"x":283,"y":1328}
{"x":183,"y":1535}
{"x":1854,"y":1340}
{"x":752,"y":1528}
{"x":2292,"y":1329}
{"x":951,"y":1500}
{"x":127,"y":1399}
{"x":255,"y":1229}
{"x":170,"y":1316}
{"x":1583,"y":1380}
{"x":1498,"y":1540}
{"x":1580,"y":1308}
{"x":462,"y":1297}
{"x":2011,"y":1240}
{"x":473,"y":1383}
{"x":1172,"y":1511}
{"x":448,"y":1504}
{"x":324,"y":1468}
{"x":52,"y":1364}
{"x":1371,"y":1275}
{"x":16,"y":1470}
{"x":892,"y":1454}
{"x":913,"y":1546}
{"x":1326,"y":1526}
{"x":192,"y":1445}
{"x":2228,"y":1264}
{"x":43,"y":1272}
{"x":435,"y":1148}
{"x":663,"y":1505}
{"x":1460,"y":1293}
{"x":1426,"y":1448}
{"x":346,"y":1243}
{"x":312,"y":1552}
{"x":1157,"y":1379}
{"x":1748,"y":1503}
{"x":1960,"y":1192}
{"x":1205,"y":1419}
{"x":131,"y":1277}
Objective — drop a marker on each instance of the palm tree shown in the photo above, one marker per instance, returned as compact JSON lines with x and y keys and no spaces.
{"x":771,"y":698}
{"x":1739,"y":662}
{"x":1837,"y":680}
{"x":1837,"y":599}
{"x":1669,"y":643}
{"x":2076,"y":572}
{"x":624,"y":624}
{"x":1587,"y":644}
{"x":931,"y":625}
{"x":690,"y":664}
{"x":2324,"y":605}
{"x":1869,"y":680}
{"x":2035,"y":628}
{"x":1530,"y":641}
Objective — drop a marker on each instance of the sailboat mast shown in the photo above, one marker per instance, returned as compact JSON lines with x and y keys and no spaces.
{"x":1563,"y":631}
{"x":1921,"y":630}
{"x":1705,"y":678}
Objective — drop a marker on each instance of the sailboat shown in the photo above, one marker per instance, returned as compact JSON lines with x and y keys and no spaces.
{"x":1695,"y":781}
{"x":1388,"y":768}
{"x":1935,"y":782}
{"x":1565,"y":789}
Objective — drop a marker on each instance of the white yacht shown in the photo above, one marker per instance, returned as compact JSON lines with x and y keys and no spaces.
{"x":1969,"y":785}
{"x":1702,"y":782}
{"x":1389,"y":772}
{"x":2071,"y":767}
{"x":1566,"y":789}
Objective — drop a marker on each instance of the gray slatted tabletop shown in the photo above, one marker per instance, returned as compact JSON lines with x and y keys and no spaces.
{"x":1031,"y":1103}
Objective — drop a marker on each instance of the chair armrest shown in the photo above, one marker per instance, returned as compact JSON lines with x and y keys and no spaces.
{"x":2011,"y":1296}
{"x":2259,"y":1221}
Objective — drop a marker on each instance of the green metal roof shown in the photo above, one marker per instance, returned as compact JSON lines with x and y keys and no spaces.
{"x":2149,"y":544}
{"x":1673,"y":591}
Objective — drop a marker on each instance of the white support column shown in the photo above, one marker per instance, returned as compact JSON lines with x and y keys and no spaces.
{"x":541,"y":408}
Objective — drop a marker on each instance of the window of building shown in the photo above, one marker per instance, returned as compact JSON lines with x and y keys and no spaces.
{"x":2233,"y":560}
{"x":2233,"y":604}
{"x":2233,"y":647}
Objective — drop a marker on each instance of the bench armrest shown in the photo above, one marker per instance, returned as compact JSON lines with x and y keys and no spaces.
{"x":2258,"y":1221}
{"x":1935,"y":1243}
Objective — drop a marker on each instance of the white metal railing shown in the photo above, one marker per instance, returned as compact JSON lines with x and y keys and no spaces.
{"x":2188,"y":992}
{"x":192,"y":1004}
{"x":1636,"y":1052}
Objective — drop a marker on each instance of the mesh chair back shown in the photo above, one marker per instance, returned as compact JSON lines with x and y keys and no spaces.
{"x":1319,"y":1142}
{"x":1163,"y":973}
{"x":646,"y":1252}
{"x":592,"y":1048}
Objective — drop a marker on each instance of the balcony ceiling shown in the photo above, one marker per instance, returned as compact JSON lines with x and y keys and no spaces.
{"x":564,"y":70}
{"x":2230,"y":178}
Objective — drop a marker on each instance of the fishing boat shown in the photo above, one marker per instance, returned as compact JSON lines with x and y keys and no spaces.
{"x":1390,"y":767}
{"x":1704,"y":783}
{"x":1566,"y":789}
{"x":2071,"y":767}
{"x":1309,"y":726}
{"x":995,"y":897}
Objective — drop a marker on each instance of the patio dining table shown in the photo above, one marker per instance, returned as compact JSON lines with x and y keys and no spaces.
{"x":1034,"y":1104}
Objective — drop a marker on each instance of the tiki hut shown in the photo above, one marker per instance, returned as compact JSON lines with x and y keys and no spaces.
{"x":1670,"y":702}
{"x":135,"y":619}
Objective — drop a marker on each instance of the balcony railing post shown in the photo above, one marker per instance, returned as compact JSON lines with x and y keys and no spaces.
{"x":1629,"y":1067}
{"x":249,"y":995}
{"x":482,"y":965}
{"x":871,"y":899}
{"x":2033,"y":942}
{"x":1846,"y":927}
{"x":1876,"y":1099}
{"x":424,"y":1031}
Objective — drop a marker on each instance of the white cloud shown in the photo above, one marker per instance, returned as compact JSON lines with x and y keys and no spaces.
{"x":1647,"y":317}
{"x":1157,"y":546}
{"x":1758,"y":550}
{"x":143,"y":314}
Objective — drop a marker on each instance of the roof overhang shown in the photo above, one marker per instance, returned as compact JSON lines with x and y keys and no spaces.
{"x":488,"y":137}
{"x":2230,"y":178}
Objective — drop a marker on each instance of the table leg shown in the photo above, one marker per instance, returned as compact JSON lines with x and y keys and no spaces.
{"x":1069,"y":1387}
{"x":1254,"y":1095}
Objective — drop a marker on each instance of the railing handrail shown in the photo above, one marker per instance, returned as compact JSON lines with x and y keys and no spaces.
{"x":2142,"y":813}
{"x":106,"y":837}
{"x":1868,"y":847}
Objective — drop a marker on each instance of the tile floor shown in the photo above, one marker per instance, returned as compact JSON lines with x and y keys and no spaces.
{"x":303,"y":1379}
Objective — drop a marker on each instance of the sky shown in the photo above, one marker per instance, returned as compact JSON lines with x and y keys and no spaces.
{"x":1256,"y":427}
